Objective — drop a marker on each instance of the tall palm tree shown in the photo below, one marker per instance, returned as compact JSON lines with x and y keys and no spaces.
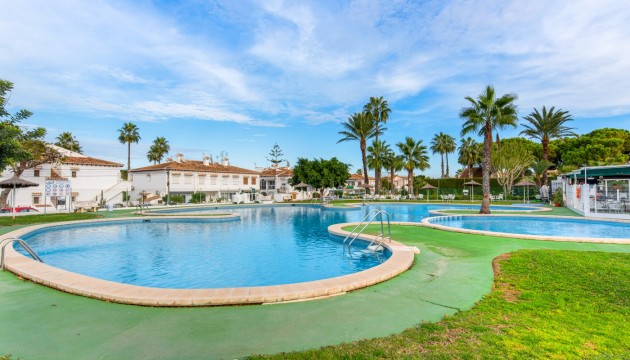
{"x":68,"y":141}
{"x":379,"y":108}
{"x":359,"y":127}
{"x":484,"y":115}
{"x":437,"y":146}
{"x":546,"y":126}
{"x":128,"y":134}
{"x":393,"y":163}
{"x":468,"y":153}
{"x":159,"y":148}
{"x":377,"y":154}
{"x":449,"y":146}
{"x":414,"y":156}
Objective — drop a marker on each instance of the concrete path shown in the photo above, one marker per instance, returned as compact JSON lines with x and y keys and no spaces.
{"x":452,"y":273}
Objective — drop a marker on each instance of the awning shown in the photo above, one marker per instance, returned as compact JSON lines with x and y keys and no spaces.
{"x":622,"y":171}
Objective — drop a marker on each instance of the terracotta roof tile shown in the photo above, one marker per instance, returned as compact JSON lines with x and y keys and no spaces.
{"x":195,"y":165}
{"x":86,"y":160}
{"x":283,"y":171}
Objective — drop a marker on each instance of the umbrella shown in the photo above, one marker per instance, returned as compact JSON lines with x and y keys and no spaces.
{"x":428,"y":187}
{"x":472,"y":184}
{"x":14,"y":183}
{"x":301,"y":185}
{"x":527,"y":183}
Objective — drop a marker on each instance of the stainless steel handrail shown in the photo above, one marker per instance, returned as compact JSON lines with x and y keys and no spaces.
{"x":371,"y":216}
{"x":26,"y":247}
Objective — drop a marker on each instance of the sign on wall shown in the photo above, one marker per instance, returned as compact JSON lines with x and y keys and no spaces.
{"x":58,"y":188}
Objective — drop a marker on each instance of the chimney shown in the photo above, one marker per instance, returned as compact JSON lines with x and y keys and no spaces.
{"x":169,"y":159}
{"x":206,"y":160}
{"x":225,"y":161}
{"x":179,"y":157}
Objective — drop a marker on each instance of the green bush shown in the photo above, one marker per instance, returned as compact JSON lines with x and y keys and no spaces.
{"x":198,"y":198}
{"x":558,"y":198}
{"x":175,"y":199}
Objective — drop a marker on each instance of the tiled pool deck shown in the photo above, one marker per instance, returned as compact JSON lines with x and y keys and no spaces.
{"x":401,"y":259}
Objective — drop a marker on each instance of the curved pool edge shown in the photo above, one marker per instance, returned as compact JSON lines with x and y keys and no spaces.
{"x":401,"y":259}
{"x":532,"y":210}
{"x":624,"y":241}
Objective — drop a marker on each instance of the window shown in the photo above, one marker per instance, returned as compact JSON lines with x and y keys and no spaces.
{"x":188,"y":179}
{"x":202,"y":179}
{"x":213,"y":180}
{"x":235,"y":180}
{"x":35,"y":200}
{"x":36,"y":173}
{"x":175,"y":178}
{"x":245,"y":180}
{"x":225,"y":180}
{"x":253,"y":181}
{"x":74,"y":173}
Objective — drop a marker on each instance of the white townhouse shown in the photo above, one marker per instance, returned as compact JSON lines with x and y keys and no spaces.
{"x":355,"y":184}
{"x":186,"y":177}
{"x":274,"y":183}
{"x":91,"y":180}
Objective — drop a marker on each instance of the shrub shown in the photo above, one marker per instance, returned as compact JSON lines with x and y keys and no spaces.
{"x":197,"y":198}
{"x":558,"y":198}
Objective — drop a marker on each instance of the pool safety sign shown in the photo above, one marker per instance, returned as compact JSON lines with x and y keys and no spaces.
{"x":58,"y":188}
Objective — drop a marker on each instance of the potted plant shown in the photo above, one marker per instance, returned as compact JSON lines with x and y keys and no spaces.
{"x":558,"y":199}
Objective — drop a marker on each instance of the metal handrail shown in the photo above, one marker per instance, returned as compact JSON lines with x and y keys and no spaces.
{"x":372,"y":216}
{"x":26,"y":247}
{"x":141,"y":206}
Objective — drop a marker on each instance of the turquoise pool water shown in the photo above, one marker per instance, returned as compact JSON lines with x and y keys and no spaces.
{"x":269,"y":245}
{"x":537,"y":225}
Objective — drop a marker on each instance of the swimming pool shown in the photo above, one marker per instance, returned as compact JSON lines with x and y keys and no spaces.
{"x":538,"y":226}
{"x":269,"y":246}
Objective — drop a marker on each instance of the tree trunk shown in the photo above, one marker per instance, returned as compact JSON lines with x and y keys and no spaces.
{"x":487,"y":154}
{"x":4,"y":196}
{"x":392,"y":179}
{"x":545,"y":157}
{"x":128,"y":158}
{"x":364,"y":159}
{"x":377,"y":172}
{"x":442,"y":159}
{"x":447,"y":171}
{"x":410,"y":182}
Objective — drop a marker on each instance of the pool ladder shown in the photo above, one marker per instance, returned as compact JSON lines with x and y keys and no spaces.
{"x":24,"y":245}
{"x":142,"y":208}
{"x":377,"y":243}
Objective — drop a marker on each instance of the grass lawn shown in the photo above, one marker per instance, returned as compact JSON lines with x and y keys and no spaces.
{"x":557,"y":211}
{"x":48,"y":218}
{"x":544,"y":304}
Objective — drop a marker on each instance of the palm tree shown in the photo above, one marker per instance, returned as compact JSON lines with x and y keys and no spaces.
{"x":437,"y":146}
{"x":547,"y":126}
{"x":67,"y":141}
{"x":414,"y":156}
{"x":377,"y":153}
{"x":393,"y":163}
{"x":159,"y":148}
{"x":128,"y":134}
{"x":359,"y":127}
{"x":379,"y":108}
{"x":485,"y":114}
{"x":449,"y":146}
{"x":468,"y":153}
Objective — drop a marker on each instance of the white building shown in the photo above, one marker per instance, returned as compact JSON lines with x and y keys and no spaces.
{"x":186,"y":177}
{"x":274,"y":183}
{"x":355,"y":184}
{"x":91,"y":180}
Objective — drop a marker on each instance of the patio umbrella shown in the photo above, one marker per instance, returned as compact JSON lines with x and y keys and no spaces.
{"x":472,"y":184}
{"x":527,"y":183}
{"x":14,"y":183}
{"x":428,"y":187}
{"x":301,"y":185}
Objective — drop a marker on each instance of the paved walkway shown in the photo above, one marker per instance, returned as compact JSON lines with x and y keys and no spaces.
{"x":452,"y":272}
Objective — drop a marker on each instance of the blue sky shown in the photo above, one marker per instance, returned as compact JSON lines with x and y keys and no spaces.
{"x":240,"y":76}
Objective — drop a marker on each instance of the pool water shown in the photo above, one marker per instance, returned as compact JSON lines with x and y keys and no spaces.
{"x":536,"y":225}
{"x":269,"y":245}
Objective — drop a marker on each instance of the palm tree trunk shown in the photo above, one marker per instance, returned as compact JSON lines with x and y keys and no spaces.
{"x":442,"y":158}
{"x":410,"y":181}
{"x":366,"y":179}
{"x":487,"y":154}
{"x":446,"y":156}
{"x":128,"y":158}
{"x":391,"y":174}
{"x":545,"y":157}
{"x":377,"y":172}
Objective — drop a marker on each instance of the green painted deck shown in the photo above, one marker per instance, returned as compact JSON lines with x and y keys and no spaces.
{"x":452,"y":272}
